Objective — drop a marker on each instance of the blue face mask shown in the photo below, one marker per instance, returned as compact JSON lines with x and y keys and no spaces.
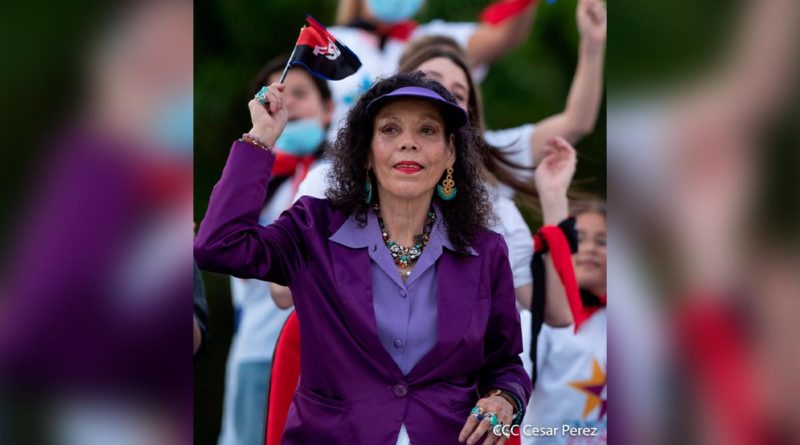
{"x":173,"y":124}
{"x":393,"y":11}
{"x":301,"y":137}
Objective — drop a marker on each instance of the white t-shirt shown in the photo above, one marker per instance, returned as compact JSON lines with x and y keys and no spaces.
{"x":571,"y":385}
{"x":515,"y":143}
{"x":380,"y":63}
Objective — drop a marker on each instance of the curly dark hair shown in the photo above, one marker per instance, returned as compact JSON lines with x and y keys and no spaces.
{"x":465,"y":215}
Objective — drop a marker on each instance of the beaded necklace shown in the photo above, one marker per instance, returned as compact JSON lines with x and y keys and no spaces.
{"x":404,"y":256}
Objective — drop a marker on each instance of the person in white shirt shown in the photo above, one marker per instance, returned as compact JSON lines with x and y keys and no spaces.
{"x":569,"y":402}
{"x":378,"y":31}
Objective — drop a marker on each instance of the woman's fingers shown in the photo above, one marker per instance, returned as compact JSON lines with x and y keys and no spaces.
{"x":274,"y":98}
{"x":474,"y":429}
{"x":469,"y":426}
{"x":490,"y":438}
{"x":483,"y":427}
{"x":252,"y":106}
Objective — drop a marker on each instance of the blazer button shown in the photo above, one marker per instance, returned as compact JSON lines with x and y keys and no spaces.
{"x":398,"y":343}
{"x":403,"y":293}
{"x":400,"y":390}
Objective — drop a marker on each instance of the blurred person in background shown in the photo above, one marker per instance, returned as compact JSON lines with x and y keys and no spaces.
{"x":525,"y":145}
{"x":522,"y":146}
{"x":378,"y":30}
{"x":570,"y":387}
{"x":95,"y":312}
{"x":259,"y":319}
{"x":397,"y":159}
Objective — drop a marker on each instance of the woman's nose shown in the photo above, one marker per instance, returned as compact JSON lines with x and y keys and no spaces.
{"x":408,"y":144}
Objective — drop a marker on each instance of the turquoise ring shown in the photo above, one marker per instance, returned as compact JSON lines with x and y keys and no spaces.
{"x":261,"y":96}
{"x":477,"y":412}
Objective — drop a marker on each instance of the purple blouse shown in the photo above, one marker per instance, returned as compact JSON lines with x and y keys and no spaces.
{"x":405,"y":313}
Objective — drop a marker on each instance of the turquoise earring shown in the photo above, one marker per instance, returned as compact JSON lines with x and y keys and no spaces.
{"x":368,"y":189}
{"x":447,"y":189}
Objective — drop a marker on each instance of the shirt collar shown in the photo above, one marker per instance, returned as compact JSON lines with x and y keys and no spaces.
{"x":355,"y":235}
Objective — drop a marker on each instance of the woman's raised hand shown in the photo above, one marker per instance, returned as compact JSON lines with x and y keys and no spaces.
{"x":269,"y":118}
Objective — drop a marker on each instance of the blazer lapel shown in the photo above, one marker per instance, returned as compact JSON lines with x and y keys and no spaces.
{"x":457,"y":279}
{"x":352,"y":272}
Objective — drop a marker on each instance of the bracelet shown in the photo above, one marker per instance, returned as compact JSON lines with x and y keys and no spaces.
{"x":255,"y":140}
{"x":510,"y":398}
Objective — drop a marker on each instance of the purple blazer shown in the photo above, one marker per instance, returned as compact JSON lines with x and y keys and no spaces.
{"x":350,"y":389}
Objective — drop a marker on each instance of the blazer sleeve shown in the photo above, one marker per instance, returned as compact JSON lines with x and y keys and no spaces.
{"x":231,"y":241}
{"x":503,"y":368}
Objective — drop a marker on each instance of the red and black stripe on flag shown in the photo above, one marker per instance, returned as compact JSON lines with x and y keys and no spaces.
{"x":321,"y":54}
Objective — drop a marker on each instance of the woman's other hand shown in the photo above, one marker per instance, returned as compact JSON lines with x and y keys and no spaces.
{"x":473,"y":429}
{"x":270,"y":118}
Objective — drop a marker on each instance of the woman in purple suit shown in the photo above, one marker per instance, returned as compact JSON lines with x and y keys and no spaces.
{"x":406,"y":302}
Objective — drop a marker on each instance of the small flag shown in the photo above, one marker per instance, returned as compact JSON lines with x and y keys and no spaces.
{"x":318,"y":51}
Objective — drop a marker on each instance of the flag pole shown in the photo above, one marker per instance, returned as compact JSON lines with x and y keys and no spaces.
{"x":286,"y":68}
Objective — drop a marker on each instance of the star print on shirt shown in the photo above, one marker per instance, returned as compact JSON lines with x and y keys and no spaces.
{"x":594,"y":389}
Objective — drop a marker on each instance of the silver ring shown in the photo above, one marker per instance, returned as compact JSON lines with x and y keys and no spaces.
{"x":492,"y":418}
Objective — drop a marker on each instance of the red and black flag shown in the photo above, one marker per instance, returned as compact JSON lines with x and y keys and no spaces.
{"x":321,"y":54}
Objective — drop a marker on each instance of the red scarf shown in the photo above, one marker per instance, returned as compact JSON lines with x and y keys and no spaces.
{"x":552,"y":239}
{"x":289,"y":165}
{"x":400,"y":31}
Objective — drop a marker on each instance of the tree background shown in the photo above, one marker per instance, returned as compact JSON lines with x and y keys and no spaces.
{"x":233,"y":39}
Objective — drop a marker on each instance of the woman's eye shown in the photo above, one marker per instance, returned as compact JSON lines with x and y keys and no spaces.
{"x":428,"y":130}
{"x":601,"y":242}
{"x":389,"y":129}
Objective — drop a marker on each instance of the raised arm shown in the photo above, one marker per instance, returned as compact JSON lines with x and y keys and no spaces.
{"x":229,"y":239}
{"x":493,"y":40}
{"x":583,"y":103}
{"x":553,"y":177}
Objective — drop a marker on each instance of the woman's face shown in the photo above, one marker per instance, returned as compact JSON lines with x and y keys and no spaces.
{"x":409,"y":150}
{"x":302,"y":99}
{"x":590,"y":260}
{"x":444,"y":71}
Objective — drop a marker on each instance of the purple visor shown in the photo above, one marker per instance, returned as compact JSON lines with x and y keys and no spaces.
{"x":451,"y":112}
